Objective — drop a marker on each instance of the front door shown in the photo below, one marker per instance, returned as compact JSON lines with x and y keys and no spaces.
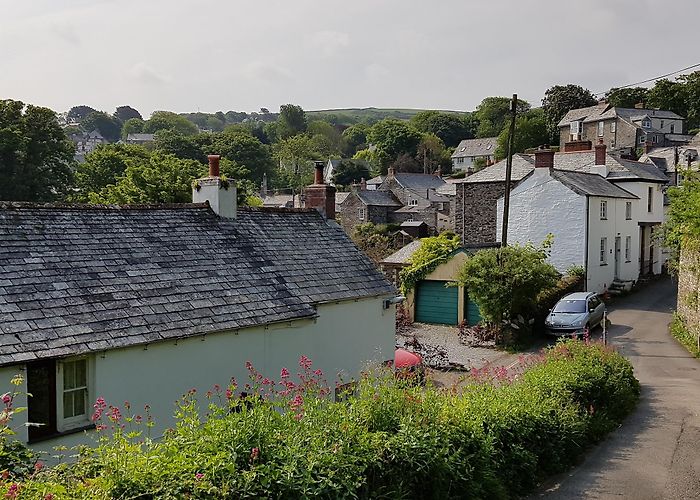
{"x":617,"y":257}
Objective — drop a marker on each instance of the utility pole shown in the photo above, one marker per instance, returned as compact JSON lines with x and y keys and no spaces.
{"x":509,"y":170}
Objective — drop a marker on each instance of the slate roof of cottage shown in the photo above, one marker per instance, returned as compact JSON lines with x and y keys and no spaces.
{"x":140,"y":137}
{"x":376,"y":180}
{"x":485,"y":146}
{"x":587,"y":184}
{"x":665,"y":158}
{"x":418,"y":182}
{"x":618,"y":169}
{"x":83,"y":279}
{"x":604,"y":111}
{"x":378,"y":198}
{"x":403,"y":255}
{"x":522,"y":167}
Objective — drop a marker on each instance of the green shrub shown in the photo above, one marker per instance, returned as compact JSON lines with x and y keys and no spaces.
{"x":497,"y":437}
{"x":681,"y":333}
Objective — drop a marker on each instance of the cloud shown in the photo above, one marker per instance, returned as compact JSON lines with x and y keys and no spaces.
{"x":328,"y":42}
{"x":376,"y":72}
{"x":266,"y":73}
{"x":143,"y":73}
{"x":66,"y":32}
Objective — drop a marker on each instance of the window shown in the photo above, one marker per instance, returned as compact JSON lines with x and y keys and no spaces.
{"x":603,"y":210}
{"x":593,"y":303}
{"x":601,"y":129}
{"x":413,"y":202}
{"x":673,"y":128}
{"x":60,"y":396}
{"x":650,"y":198}
{"x":628,"y":210}
{"x":410,"y":219}
{"x":628,"y":248}
{"x":361,"y":213}
{"x":662,"y":125}
{"x":646,"y":123}
{"x":613,"y":126}
{"x":460,"y":159}
{"x":654,"y":139}
{"x":642,"y":139}
{"x":576,"y":128}
{"x":603,"y":251}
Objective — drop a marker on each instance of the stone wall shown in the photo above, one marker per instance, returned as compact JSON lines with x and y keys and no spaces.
{"x":349,"y":215}
{"x":688,"y":305}
{"x":475,"y":211}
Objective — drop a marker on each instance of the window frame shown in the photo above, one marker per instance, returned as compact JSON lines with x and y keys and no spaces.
{"x":613,"y":127}
{"x":64,"y":423}
{"x":413,"y":202}
{"x":604,"y":251}
{"x":601,"y":128}
{"x":603,"y":209}
{"x":628,"y":248}
{"x":628,"y":210}
{"x":650,"y":199}
{"x":361,"y":213}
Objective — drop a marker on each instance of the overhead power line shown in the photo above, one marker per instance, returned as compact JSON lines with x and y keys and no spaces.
{"x":651,"y":79}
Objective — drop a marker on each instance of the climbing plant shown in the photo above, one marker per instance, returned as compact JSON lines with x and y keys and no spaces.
{"x":430,"y":254}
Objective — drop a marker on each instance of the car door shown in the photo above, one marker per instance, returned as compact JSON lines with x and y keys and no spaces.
{"x":596,"y":308}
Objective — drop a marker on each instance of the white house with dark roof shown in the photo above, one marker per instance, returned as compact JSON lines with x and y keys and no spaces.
{"x":142,"y":303}
{"x":469,"y":150}
{"x":601,"y":213}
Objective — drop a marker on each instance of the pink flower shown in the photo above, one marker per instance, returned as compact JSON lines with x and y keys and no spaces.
{"x":138,"y":419}
{"x":217,"y":388}
{"x":38,"y":466}
{"x":100,"y":427}
{"x":199,"y":476}
{"x":229,"y":393}
{"x":254,"y":454}
{"x":284,"y":373}
{"x":297,"y":402}
{"x":248,"y":365}
{"x":304,"y":362}
{"x":12,"y":491}
{"x":318,"y":373}
{"x":115,"y":415}
{"x":6,"y":398}
{"x":127,"y":405}
{"x":49,"y":496}
{"x":266,"y":381}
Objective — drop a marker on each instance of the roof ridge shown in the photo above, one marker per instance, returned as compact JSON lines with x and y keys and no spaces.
{"x":9,"y":205}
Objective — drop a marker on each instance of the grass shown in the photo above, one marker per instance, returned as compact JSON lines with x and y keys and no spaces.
{"x":681,"y":333}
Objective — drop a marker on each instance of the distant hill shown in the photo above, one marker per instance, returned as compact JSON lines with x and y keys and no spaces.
{"x":350,"y":116}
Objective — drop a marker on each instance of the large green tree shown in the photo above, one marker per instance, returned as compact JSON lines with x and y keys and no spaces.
{"x":124,"y":113}
{"x":559,"y":100}
{"x":240,"y":147}
{"x":104,"y":166}
{"x":355,"y":138}
{"x":161,"y":120}
{"x":531,"y":131}
{"x":393,"y":138}
{"x":35,"y":155}
{"x":108,"y":126}
{"x":627,"y":97}
{"x":132,"y":126}
{"x":350,"y":171}
{"x":493,"y":113}
{"x":79,"y":113}
{"x":185,"y":147}
{"x":451,"y":128}
{"x":291,"y":121}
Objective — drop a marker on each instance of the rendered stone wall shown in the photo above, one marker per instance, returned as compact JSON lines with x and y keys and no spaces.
{"x":688,"y":305}
{"x":475,"y":211}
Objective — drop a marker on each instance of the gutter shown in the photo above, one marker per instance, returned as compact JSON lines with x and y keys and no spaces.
{"x":585,"y":257}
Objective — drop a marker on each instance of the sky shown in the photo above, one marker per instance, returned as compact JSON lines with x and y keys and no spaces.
{"x":211,"y":55}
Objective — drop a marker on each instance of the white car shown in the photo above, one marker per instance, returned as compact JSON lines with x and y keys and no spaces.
{"x":574,"y":313}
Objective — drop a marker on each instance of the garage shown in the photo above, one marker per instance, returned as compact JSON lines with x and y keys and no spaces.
{"x":437,"y":303}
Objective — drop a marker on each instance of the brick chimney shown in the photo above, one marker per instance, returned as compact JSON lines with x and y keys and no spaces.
{"x":600,"y":166}
{"x":577,"y":146}
{"x":319,"y":195}
{"x":544,"y":157}
{"x":220,"y":193}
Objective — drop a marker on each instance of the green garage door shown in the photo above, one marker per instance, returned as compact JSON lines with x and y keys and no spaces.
{"x":473,"y":313}
{"x":436,"y":303}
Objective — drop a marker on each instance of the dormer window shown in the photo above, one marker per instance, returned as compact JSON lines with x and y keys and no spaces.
{"x":413,"y":202}
{"x":646,"y":123}
{"x":576,"y":127}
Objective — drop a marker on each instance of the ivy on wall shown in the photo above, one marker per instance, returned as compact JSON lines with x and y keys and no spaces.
{"x":430,"y":254}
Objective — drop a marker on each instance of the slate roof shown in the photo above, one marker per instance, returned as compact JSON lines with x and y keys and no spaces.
{"x":376,"y":180}
{"x":378,"y":198}
{"x":83,"y":279}
{"x":522,"y":167}
{"x":618,"y":168}
{"x":403,"y":255}
{"x":666,"y":157}
{"x":587,"y":184}
{"x":140,"y":137}
{"x":604,"y":111}
{"x":485,"y":146}
{"x":419,"y":182}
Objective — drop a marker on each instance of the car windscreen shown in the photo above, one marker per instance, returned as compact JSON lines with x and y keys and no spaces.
{"x":570,"y":306}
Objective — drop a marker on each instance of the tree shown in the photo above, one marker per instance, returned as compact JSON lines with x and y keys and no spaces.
{"x":106,"y":125}
{"x":291,"y":121}
{"x":185,"y":147}
{"x":104,"y":166}
{"x":406,"y":163}
{"x":240,"y":147}
{"x":504,"y":282}
{"x":449,"y":127}
{"x":493,"y":113}
{"x":167,"y":120}
{"x":296,"y":155}
{"x":124,"y":113}
{"x":350,"y":171}
{"x":530,"y":132}
{"x":627,"y":97}
{"x":333,"y":138}
{"x":35,"y":155}
{"x":79,"y":113}
{"x":559,"y":100}
{"x":132,"y":126}
{"x":691,"y":92}
{"x":355,"y":138}
{"x":393,"y":138}
{"x":430,"y":153}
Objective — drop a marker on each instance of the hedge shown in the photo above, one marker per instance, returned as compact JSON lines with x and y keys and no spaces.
{"x":497,"y":437}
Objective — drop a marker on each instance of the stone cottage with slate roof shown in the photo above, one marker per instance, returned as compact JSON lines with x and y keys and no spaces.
{"x":601,"y":211}
{"x":141,"y":303}
{"x":469,"y":150}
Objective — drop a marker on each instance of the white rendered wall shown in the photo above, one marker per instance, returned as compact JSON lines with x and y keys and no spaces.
{"x":540,"y":205}
{"x":345,"y":338}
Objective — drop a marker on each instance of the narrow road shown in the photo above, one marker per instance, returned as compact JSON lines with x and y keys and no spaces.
{"x":656,"y":452}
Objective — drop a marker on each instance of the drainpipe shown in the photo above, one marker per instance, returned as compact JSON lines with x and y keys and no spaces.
{"x":463,"y":212}
{"x":585,"y":258}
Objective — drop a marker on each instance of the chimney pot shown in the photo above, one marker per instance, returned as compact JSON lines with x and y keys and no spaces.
{"x":600,"y":153}
{"x":214,"y":165}
{"x":318,"y":174}
{"x":544,"y":157}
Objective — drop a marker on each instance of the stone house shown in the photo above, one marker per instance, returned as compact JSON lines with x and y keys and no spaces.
{"x":86,"y":143}
{"x":673,"y":160}
{"x":469,"y":150}
{"x":363,"y":205}
{"x":601,"y":213}
{"x":141,"y":303}
{"x":622,"y":129}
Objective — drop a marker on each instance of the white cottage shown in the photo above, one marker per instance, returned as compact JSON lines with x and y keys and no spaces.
{"x":142,"y":303}
{"x":600,"y":209}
